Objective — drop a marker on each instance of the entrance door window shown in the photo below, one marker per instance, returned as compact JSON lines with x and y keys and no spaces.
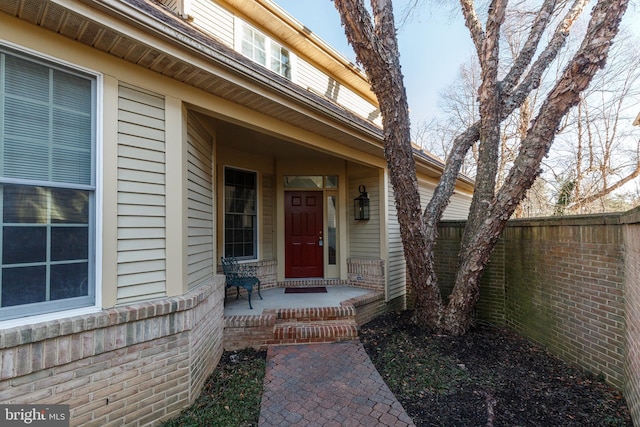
{"x":311,"y":181}
{"x":240,"y":214}
{"x":332,"y":227}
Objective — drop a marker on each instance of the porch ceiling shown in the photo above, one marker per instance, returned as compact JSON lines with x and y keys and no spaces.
{"x":262,"y":144}
{"x":148,"y":35}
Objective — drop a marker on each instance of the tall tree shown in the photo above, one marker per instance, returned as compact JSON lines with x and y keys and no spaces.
{"x":373,"y":37}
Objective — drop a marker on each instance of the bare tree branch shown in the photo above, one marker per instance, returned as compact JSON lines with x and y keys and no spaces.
{"x":473,"y":24}
{"x":531,"y":45}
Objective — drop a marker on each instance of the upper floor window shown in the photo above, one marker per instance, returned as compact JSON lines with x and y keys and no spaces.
{"x":47,"y":186}
{"x":240,"y":213}
{"x":280,"y":60}
{"x":264,"y":51}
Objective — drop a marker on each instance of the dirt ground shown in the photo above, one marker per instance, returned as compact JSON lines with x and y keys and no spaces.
{"x":489,"y":377}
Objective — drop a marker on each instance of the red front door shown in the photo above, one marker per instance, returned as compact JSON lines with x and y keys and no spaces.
{"x":303,"y":234}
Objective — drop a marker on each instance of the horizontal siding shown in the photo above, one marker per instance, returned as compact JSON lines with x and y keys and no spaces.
{"x":364,"y":236}
{"x":214,"y":20}
{"x":267,"y":217}
{"x":141,"y":196}
{"x":397,"y":279}
{"x":458,"y":207}
{"x":171,"y":5}
{"x":200,"y":203}
{"x":310,"y":77}
{"x":220,"y":23}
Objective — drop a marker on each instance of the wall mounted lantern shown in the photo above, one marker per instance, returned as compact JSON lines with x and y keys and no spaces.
{"x":361,"y":204}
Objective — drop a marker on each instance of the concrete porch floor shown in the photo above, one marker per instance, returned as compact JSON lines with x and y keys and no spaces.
{"x":276,"y":298}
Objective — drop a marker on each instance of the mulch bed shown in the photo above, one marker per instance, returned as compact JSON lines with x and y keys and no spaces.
{"x":489,"y":377}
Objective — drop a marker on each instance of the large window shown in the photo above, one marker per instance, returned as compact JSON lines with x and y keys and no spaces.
{"x":265,"y":51}
{"x":47,"y":186}
{"x":240,"y":214}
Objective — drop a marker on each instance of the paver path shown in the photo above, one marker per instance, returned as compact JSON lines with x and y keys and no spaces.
{"x":326,"y":385}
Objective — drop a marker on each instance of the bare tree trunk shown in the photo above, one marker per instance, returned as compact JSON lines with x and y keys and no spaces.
{"x":374,"y":41}
{"x":376,"y":48}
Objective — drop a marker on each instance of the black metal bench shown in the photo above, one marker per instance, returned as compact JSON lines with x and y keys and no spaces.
{"x":241,"y":276}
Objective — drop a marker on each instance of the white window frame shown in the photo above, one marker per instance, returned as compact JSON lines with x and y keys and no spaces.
{"x":97,"y":212}
{"x":270,"y":46}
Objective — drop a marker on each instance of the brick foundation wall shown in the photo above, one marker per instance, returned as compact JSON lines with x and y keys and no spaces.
{"x":631,"y":235}
{"x":132,"y":365}
{"x":367,"y":273}
{"x":561,"y":282}
{"x":266,"y":270}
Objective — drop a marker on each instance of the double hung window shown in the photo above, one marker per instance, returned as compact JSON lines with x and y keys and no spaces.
{"x":240,"y":213}
{"x":47,"y":186}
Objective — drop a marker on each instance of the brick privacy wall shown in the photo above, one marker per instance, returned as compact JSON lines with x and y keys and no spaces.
{"x":133,"y":365}
{"x":557,"y":281}
{"x":565,"y":284}
{"x":631,"y":235}
{"x":491,"y":306}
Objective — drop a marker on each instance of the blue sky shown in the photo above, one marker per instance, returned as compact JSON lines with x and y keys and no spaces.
{"x":432,"y":46}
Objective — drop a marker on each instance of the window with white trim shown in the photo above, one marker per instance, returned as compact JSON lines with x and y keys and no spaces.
{"x":47,"y":186}
{"x":240,"y":213}
{"x":266,"y":52}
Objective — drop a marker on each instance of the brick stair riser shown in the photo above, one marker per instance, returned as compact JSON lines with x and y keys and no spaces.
{"x":313,"y":332}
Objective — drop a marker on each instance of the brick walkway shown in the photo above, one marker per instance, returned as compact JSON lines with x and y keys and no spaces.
{"x":326,"y":385}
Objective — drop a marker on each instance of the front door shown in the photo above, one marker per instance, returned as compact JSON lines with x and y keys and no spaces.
{"x":303,"y":234}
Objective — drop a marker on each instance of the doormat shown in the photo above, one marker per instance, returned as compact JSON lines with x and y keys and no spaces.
{"x":307,"y":290}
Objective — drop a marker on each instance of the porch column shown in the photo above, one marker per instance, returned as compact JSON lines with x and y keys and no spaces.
{"x":176,"y":202}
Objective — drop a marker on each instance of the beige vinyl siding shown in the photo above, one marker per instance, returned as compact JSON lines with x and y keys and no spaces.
{"x":219,"y":23}
{"x":171,"y":5}
{"x":397,"y":272}
{"x":311,"y":78}
{"x":268,"y":216}
{"x":200,"y":204}
{"x":458,"y":207}
{"x":364,"y":236}
{"x":214,"y":20}
{"x":141,"y":195}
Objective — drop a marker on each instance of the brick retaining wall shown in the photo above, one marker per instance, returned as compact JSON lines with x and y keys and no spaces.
{"x":562,"y":282}
{"x":131,"y":365}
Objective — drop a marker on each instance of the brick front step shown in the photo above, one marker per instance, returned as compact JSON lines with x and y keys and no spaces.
{"x":314,"y":313}
{"x":286,"y":326}
{"x":314,"y":332}
{"x":291,"y":326}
